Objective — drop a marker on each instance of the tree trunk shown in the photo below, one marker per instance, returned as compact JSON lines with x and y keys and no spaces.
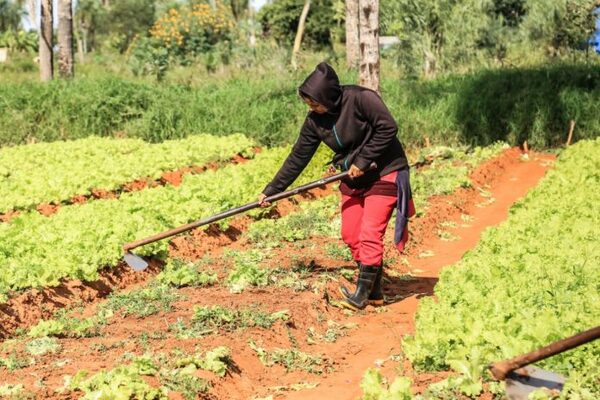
{"x":80,"y":53}
{"x":45,"y":52}
{"x":352,"y":36}
{"x":65,"y":38}
{"x":31,"y":4}
{"x":300,"y":32}
{"x":369,"y":44}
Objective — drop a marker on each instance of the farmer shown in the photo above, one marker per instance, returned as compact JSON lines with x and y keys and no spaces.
{"x":355,"y":123}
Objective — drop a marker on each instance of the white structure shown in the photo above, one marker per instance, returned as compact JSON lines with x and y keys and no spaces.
{"x":388,"y":41}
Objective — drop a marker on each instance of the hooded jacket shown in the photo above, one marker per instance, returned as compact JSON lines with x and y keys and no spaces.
{"x":358,"y":127}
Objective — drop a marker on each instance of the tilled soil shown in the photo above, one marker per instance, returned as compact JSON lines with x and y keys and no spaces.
{"x":375,"y":339}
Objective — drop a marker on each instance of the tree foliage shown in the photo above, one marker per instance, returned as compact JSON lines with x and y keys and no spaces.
{"x":280,"y":21}
{"x":453,"y":35}
{"x":10,"y":15}
{"x":115,"y":25}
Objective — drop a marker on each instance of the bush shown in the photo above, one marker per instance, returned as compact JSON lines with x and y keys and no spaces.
{"x":477,"y":109}
{"x":183,"y":36}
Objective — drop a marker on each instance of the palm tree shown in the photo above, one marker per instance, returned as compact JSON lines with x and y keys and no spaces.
{"x":65,"y":38}
{"x":46,"y":42}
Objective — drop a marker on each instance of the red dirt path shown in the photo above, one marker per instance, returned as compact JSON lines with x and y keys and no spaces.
{"x":512,"y":180}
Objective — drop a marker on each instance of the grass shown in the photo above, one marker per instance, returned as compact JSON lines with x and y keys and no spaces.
{"x":291,"y":359}
{"x":14,"y":362}
{"x":533,"y":103}
{"x":43,"y":345}
{"x":211,"y":319}
{"x":230,"y":320}
{"x":142,"y":302}
{"x":189,"y":386}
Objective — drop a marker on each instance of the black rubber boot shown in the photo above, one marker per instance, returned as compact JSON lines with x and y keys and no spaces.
{"x":376,"y":296}
{"x":366,"y":280}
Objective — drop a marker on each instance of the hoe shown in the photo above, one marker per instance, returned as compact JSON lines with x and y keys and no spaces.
{"x":522,"y":378}
{"x":139,"y":264}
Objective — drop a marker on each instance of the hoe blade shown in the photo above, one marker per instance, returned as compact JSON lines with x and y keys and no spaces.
{"x":135,"y":262}
{"x":521,"y":382}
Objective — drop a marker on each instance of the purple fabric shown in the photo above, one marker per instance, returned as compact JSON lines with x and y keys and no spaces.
{"x":403,"y":204}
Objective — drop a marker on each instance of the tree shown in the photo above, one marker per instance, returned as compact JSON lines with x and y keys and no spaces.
{"x":239,"y":8}
{"x":65,"y":39}
{"x":84,"y":21}
{"x":511,"y":11}
{"x":352,"y":37}
{"x":369,"y":44}
{"x":280,"y":21}
{"x":437,"y":36}
{"x":127,"y":18}
{"x":10,"y":15}
{"x":552,"y":29}
{"x":46,"y":42}
{"x":115,"y":23}
{"x":300,"y":32}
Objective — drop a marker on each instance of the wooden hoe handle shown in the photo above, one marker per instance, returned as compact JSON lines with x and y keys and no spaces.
{"x":500,"y":369}
{"x":225,"y":214}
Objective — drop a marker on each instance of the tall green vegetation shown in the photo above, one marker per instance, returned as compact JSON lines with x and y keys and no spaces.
{"x":513,"y":105}
{"x":280,"y":21}
{"x":113,"y":24}
{"x":10,"y":15}
{"x":452,"y":36}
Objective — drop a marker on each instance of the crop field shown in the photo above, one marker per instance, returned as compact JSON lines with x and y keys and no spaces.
{"x":248,"y":308}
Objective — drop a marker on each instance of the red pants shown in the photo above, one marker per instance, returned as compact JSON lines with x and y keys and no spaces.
{"x":364,"y":221}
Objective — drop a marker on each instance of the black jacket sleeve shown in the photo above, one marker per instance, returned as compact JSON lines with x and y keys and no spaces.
{"x":297,"y":160}
{"x":384,"y":126}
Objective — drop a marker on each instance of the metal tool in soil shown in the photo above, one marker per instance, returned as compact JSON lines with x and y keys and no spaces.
{"x":522,"y":378}
{"x":139,"y":264}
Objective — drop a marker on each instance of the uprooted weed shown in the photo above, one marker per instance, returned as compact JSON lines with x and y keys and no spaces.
{"x":142,"y":302}
{"x":207,"y":320}
{"x":291,"y":359}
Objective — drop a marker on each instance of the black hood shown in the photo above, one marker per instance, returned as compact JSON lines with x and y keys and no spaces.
{"x":323,"y":86}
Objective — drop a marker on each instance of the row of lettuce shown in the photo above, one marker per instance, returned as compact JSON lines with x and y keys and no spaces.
{"x":79,"y":240}
{"x":56,"y":172}
{"x":531,"y":281}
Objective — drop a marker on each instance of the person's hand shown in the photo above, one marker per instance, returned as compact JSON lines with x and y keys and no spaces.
{"x":261,"y":200}
{"x":355,"y":172}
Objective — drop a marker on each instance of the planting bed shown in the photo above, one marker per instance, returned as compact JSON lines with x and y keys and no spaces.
{"x":52,"y":173}
{"x":264,"y":290}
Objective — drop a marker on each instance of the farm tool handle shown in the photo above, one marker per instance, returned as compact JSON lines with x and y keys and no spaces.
{"x":225,"y":214}
{"x":501,"y":369}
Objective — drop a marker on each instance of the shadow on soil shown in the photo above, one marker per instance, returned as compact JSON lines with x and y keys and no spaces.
{"x":395,"y":288}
